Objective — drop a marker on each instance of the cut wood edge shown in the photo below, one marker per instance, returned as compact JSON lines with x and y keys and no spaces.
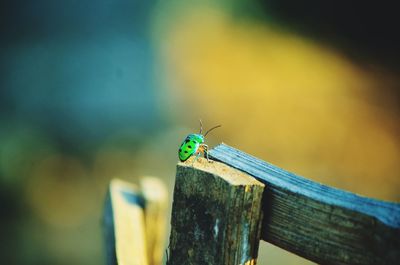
{"x":231,"y":175}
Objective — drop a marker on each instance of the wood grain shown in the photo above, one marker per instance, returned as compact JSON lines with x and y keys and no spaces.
{"x":320,"y":223}
{"x":216,"y":215}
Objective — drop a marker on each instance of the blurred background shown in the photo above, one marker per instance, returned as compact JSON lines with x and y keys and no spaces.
{"x":91,"y":90}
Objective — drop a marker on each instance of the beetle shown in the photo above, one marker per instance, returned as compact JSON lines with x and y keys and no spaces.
{"x":193,"y":143}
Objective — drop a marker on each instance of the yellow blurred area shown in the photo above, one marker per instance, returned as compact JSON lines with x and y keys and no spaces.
{"x":282,"y":98}
{"x":60,"y":192}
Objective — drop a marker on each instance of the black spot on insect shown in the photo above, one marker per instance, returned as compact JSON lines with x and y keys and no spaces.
{"x":189,"y":146}
{"x":186,"y":152}
{"x":187,"y":140}
{"x":180,"y":150}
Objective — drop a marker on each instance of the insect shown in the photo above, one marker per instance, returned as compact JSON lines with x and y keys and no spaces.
{"x":193,"y":143}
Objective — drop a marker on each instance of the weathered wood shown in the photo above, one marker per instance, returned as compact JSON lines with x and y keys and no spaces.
{"x":124,"y":225}
{"x":320,"y":223}
{"x":216,"y":215}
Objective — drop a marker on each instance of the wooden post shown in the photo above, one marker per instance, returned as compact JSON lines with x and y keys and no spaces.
{"x":320,"y":223}
{"x":156,"y":204}
{"x":216,"y":215}
{"x":134,"y":220}
{"x":124,"y":225}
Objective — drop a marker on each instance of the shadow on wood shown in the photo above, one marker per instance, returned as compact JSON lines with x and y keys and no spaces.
{"x":124,"y":225}
{"x":134,"y":222}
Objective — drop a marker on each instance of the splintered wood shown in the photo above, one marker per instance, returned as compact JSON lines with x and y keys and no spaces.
{"x":216,"y":215}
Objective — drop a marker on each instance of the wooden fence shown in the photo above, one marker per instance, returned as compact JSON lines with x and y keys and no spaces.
{"x":222,"y":209}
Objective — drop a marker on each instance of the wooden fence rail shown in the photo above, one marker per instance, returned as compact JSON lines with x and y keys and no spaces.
{"x":222,"y":209}
{"x":320,"y":223}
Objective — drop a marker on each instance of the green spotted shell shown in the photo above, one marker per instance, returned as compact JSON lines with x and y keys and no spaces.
{"x":189,"y":146}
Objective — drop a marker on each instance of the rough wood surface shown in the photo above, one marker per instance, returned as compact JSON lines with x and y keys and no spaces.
{"x":320,"y":223}
{"x":216,"y":215}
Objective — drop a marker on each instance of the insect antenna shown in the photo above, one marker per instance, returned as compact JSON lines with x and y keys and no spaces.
{"x":201,"y":127}
{"x":215,"y":127}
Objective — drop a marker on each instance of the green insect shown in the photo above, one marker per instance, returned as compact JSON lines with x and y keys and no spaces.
{"x":193,"y":144}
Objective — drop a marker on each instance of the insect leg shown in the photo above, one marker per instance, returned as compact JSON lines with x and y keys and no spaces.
{"x":197,"y":156}
{"x":205,"y":148}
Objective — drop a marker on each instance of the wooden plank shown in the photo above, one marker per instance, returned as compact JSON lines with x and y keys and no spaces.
{"x":216,"y":215}
{"x":155,"y":196}
{"x":124,"y":225}
{"x":317,"y":222}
